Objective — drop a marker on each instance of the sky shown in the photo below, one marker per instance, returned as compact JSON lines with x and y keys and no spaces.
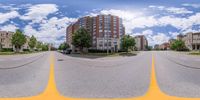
{"x":158,"y":20}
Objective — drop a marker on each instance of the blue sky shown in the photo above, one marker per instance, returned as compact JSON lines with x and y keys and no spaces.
{"x":158,"y":20}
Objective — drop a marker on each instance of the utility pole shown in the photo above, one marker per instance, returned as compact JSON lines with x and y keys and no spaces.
{"x":107,"y":42}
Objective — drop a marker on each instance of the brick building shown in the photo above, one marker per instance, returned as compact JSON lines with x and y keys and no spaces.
{"x":106,"y":31}
{"x":141,"y":42}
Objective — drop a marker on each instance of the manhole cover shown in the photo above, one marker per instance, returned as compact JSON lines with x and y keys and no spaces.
{"x":60,"y":60}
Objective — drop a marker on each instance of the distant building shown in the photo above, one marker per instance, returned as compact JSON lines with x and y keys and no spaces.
{"x":6,"y":43}
{"x":156,"y":47}
{"x":192,"y":41}
{"x":171,"y":41}
{"x":164,"y":46}
{"x":106,"y":31}
{"x":180,"y":37}
{"x":5,"y":39}
{"x":141,"y":42}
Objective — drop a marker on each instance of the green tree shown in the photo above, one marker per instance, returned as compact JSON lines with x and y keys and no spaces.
{"x":178,"y":45}
{"x":18,"y":39}
{"x":81,"y":39}
{"x":45,"y":47}
{"x":127,"y":42}
{"x":39,"y":45}
{"x":149,"y":48}
{"x":32,"y":42}
{"x":0,"y":46}
{"x":63,"y":46}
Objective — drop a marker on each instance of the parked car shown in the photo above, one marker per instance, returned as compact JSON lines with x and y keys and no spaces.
{"x":68,"y":51}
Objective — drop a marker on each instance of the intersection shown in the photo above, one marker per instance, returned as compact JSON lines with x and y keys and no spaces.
{"x":153,"y":89}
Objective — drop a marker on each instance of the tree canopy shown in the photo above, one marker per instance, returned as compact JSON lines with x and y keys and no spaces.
{"x":32,"y":42}
{"x":63,"y":46}
{"x":178,"y":45}
{"x":127,"y":42}
{"x":81,"y":39}
{"x":18,"y":39}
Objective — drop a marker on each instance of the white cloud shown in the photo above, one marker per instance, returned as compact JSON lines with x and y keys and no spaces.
{"x":180,"y":23}
{"x":39,"y":12}
{"x":50,"y":30}
{"x":131,"y":19}
{"x":191,"y":5}
{"x":9,"y":7}
{"x":4,"y":17}
{"x":159,"y":38}
{"x":153,"y":38}
{"x":11,"y":28}
{"x":134,"y":20}
{"x":157,"y":7}
{"x":174,"y":34}
{"x":175,"y":10}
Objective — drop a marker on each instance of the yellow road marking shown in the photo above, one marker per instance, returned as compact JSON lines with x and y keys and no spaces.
{"x":51,"y":92}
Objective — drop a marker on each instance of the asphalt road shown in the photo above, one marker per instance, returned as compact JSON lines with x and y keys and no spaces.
{"x":23,"y":75}
{"x":178,"y":74}
{"x":94,"y":77}
{"x":119,"y":77}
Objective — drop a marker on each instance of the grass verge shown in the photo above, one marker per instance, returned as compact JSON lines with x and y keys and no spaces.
{"x":194,"y":53}
{"x":100,"y":55}
{"x":14,"y":53}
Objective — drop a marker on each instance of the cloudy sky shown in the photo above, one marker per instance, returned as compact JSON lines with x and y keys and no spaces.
{"x":158,"y":20}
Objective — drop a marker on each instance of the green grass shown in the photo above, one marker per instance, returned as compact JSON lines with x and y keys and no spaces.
{"x":7,"y":53}
{"x":113,"y":54}
{"x":14,"y":53}
{"x":194,"y":53}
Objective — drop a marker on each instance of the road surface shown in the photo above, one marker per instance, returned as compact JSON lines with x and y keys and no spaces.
{"x":108,"y":77}
{"x":119,"y":77}
{"x":23,"y":75}
{"x":178,"y":74}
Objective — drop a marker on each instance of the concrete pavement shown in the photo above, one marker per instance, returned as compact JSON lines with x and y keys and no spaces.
{"x":120,"y":77}
{"x":178,"y":74}
{"x":23,"y":75}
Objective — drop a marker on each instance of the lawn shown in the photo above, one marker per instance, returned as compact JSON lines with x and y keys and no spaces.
{"x":100,"y":55}
{"x":13,"y":53}
{"x":195,"y":53}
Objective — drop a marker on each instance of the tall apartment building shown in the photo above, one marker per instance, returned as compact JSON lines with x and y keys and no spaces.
{"x":5,"y":39}
{"x":192,"y":40}
{"x":141,"y":42}
{"x":106,"y":31}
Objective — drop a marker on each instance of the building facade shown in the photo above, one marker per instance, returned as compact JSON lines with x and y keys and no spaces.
{"x":192,"y":41}
{"x":141,"y":42}
{"x":5,"y":40}
{"x":164,"y":46}
{"x":106,"y":31}
{"x":6,"y":43}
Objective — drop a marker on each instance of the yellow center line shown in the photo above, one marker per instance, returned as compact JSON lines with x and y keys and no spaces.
{"x":51,"y":92}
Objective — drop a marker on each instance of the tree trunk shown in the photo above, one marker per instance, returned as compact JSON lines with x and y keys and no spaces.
{"x":17,"y":49}
{"x":81,"y":50}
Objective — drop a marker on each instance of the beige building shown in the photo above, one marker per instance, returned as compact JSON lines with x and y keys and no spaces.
{"x":141,"y":42}
{"x":5,"y":41}
{"x":192,"y":40}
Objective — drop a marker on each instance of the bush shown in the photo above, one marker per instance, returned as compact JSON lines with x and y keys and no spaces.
{"x":97,"y":51}
{"x":26,"y":50}
{"x":7,"y":50}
